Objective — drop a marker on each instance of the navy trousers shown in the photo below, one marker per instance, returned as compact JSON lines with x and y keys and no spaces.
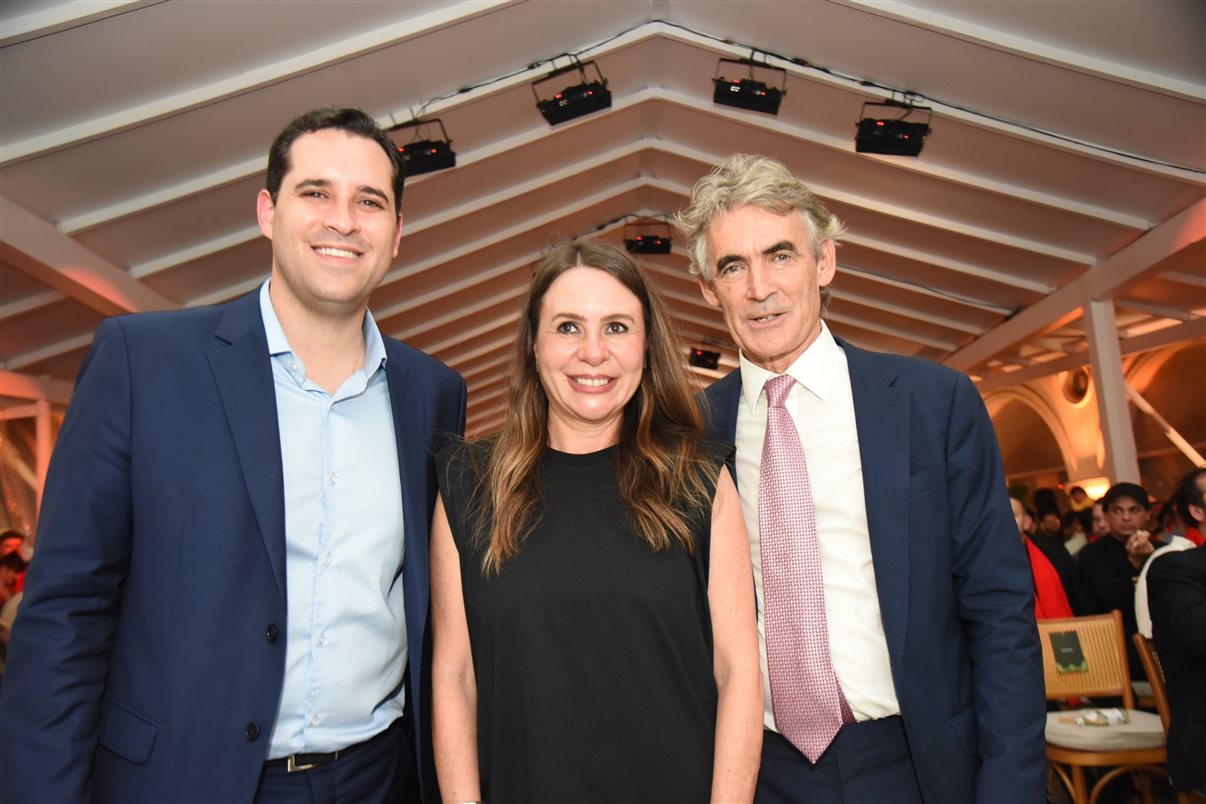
{"x":867,"y":763}
{"x":380,"y":771}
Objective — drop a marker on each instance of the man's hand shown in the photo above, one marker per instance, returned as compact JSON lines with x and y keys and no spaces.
{"x":1139,"y":547}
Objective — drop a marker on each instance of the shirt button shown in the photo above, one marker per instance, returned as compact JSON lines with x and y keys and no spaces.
{"x":326,"y":562}
{"x":293,"y":366}
{"x":332,"y":479}
{"x":270,"y":633}
{"x":314,"y":720}
{"x":251,"y":731}
{"x":322,"y":639}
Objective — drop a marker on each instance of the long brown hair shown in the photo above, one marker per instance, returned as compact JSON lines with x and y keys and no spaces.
{"x":660,"y":468}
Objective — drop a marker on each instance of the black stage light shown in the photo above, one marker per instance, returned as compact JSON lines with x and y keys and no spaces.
{"x":638,"y":239}
{"x":576,"y":100}
{"x":891,"y":135}
{"x":426,"y":154}
{"x":748,"y":93}
{"x":701,"y":358}
{"x":647,"y":245}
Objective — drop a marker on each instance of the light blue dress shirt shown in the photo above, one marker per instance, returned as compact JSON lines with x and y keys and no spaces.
{"x":345,"y":646}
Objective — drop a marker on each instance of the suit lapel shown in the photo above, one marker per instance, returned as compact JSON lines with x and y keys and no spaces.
{"x":720,"y":412}
{"x":243,"y":374}
{"x":881,"y":413}
{"x":407,"y":411}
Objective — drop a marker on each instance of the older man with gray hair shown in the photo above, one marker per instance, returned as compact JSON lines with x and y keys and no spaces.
{"x":895,"y":607}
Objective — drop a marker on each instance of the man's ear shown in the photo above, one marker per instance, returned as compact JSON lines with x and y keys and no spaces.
{"x":398,"y":235}
{"x":265,"y":210}
{"x":826,"y":263}
{"x":705,"y":287}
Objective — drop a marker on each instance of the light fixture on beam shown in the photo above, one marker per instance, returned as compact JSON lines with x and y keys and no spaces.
{"x":647,"y":236}
{"x":702,"y":358}
{"x":749,"y":92}
{"x":885,"y":129}
{"x":424,"y":154}
{"x":576,"y":100}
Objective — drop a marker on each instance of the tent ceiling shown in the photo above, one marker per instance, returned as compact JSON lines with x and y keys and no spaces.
{"x":1067,"y":162}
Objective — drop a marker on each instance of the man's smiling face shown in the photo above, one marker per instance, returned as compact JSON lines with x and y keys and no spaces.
{"x":333,"y":228}
{"x":768,"y":280}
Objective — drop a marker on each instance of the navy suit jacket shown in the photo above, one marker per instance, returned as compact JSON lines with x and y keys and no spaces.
{"x":1176,"y":591}
{"x":147,"y":660}
{"x":955,"y":591}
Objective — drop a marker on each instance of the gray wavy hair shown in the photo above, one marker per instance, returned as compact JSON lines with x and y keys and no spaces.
{"x":746,"y":179}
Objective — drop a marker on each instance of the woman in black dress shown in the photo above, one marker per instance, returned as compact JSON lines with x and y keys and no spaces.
{"x":592,"y":601}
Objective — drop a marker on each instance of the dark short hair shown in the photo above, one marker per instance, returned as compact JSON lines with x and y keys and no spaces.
{"x":1187,"y":494}
{"x":1119,"y":490}
{"x":351,"y":120}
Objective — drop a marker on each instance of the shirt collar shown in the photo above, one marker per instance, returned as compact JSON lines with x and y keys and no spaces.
{"x":374,"y":345}
{"x":815,"y":369}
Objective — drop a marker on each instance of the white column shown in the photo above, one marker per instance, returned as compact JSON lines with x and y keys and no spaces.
{"x":1121,"y":460}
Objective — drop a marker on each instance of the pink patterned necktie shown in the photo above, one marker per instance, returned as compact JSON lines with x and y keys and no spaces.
{"x":808,"y":701}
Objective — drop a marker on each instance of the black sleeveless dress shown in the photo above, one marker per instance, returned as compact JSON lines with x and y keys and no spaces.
{"x":593,"y":653}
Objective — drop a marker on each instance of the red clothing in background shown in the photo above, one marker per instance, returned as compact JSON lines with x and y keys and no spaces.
{"x":1050,"y":600}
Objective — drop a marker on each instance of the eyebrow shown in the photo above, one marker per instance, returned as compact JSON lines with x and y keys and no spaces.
{"x":729,"y":259}
{"x":577,"y":317}
{"x":326,"y":185}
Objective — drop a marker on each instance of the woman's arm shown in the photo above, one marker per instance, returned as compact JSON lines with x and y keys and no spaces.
{"x":735,"y":632}
{"x":454,"y":686}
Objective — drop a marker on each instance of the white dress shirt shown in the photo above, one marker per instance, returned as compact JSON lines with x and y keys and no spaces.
{"x":822,"y":406}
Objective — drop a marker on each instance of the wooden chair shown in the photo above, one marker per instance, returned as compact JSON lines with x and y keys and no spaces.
{"x":1137,"y":746}
{"x":1155,"y":674}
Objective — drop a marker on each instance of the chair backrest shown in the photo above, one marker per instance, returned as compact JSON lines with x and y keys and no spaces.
{"x":1104,"y":647}
{"x":1155,"y":674}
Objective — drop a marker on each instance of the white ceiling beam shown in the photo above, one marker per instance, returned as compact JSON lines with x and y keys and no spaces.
{"x":469,"y":333}
{"x":344,"y":49}
{"x":464,"y":313}
{"x":49,"y":351}
{"x":1003,"y":41}
{"x":695,"y":103}
{"x":913,"y":287}
{"x":240,"y":171}
{"x":1178,"y":333}
{"x":34,"y":301}
{"x":488,"y":369}
{"x":948,"y":264}
{"x":1196,"y":280}
{"x":1107,"y":279}
{"x":975,"y":181}
{"x":36,"y":248}
{"x":421,"y":300}
{"x":862,"y":322}
{"x":252,"y":232}
{"x":1157,"y":310}
{"x":888,"y":247}
{"x":455,"y":360}
{"x":52,"y":18}
{"x":942,"y":110}
{"x":26,"y":386}
{"x":487,"y":393}
{"x":907,"y":312}
{"x":485,"y":419}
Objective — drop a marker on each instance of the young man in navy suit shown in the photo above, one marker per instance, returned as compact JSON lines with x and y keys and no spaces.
{"x":928,"y":602}
{"x":229,"y":601}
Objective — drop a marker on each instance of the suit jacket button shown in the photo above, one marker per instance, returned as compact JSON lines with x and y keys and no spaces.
{"x":270,"y":633}
{"x":251,"y":731}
